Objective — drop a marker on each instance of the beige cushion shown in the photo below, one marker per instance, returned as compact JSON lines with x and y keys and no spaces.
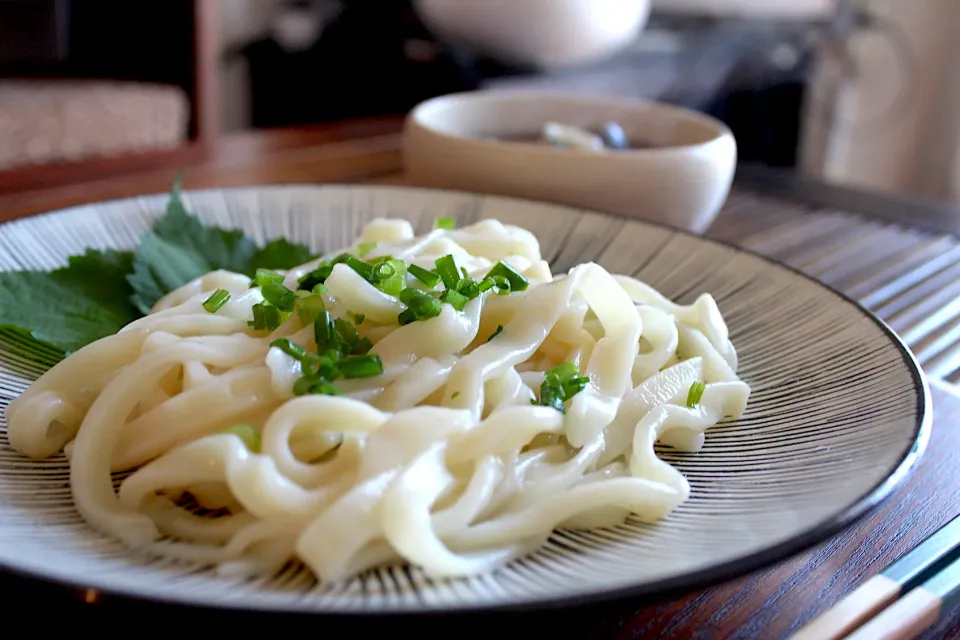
{"x":62,"y":120}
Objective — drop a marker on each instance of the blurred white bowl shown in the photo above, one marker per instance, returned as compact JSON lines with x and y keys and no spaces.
{"x":543,"y":33}
{"x":457,"y":142}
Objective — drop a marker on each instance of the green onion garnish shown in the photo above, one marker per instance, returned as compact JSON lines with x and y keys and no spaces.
{"x":486,"y":284}
{"x":428,"y":278}
{"x":362,"y":347}
{"x":292,"y":349}
{"x":495,"y":333}
{"x":263,"y":276}
{"x":315,"y":278}
{"x":503,"y":270}
{"x":501,"y":283}
{"x":308,"y":307}
{"x":316,"y":367}
{"x":383,"y":270}
{"x":564,"y":371}
{"x":358,"y":319}
{"x":360,"y":366}
{"x":695,"y":394}
{"x":268,"y":317}
{"x":323,"y":331}
{"x":346,"y":331}
{"x":216,"y":300}
{"x":454,"y":395}
{"x":278,"y":296}
{"x":455,"y":299}
{"x":320,"y":289}
{"x":306,"y":386}
{"x":365,"y":247}
{"x":551,"y":394}
{"x":560,"y":384}
{"x":359,"y":266}
{"x":469,"y":287}
{"x":394,"y":283}
{"x":447,"y":224}
{"x":249,"y":435}
{"x":449,"y":273}
{"x":575,"y":385}
{"x":420,"y":306}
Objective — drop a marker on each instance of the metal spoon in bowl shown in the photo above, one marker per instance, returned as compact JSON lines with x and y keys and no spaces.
{"x":565,"y":136}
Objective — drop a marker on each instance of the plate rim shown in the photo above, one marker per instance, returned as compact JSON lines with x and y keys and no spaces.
{"x":657,"y":591}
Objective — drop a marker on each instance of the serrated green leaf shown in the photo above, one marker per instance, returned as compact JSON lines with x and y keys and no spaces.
{"x":181,"y":248}
{"x":73,"y":306}
{"x":281,"y":254}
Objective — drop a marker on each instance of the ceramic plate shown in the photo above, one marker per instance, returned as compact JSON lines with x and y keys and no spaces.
{"x":837,"y":416}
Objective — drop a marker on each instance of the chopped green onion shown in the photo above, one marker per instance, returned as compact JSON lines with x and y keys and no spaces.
{"x":573,"y":386}
{"x":502,"y":285}
{"x":455,"y":299}
{"x":447,"y":268}
{"x":263,"y":276}
{"x":250,"y":436}
{"x":463,"y":270}
{"x":420,"y":306}
{"x":486,"y":284}
{"x":347,"y":332}
{"x":383,"y":270}
{"x":560,"y":384}
{"x":379,"y":259}
{"x":320,"y":289}
{"x":454,"y":395}
{"x":358,"y":318}
{"x":306,"y":386}
{"x":428,"y":278}
{"x":396,"y":281}
{"x":308,"y":307}
{"x":363,"y":346}
{"x":365,"y":247}
{"x":468,"y":287}
{"x":268,"y":317}
{"x":564,"y":371}
{"x":360,"y":366}
{"x":315,"y":278}
{"x":323,"y":331}
{"x":278,"y":295}
{"x":695,"y":394}
{"x":292,"y":349}
{"x":447,"y":224}
{"x":503,"y":270}
{"x":495,"y":333}
{"x":317,"y":367}
{"x":216,"y":300}
{"x":361,"y":267}
{"x":551,"y":393}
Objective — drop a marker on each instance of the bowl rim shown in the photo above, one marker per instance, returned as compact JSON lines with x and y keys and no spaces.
{"x":418,"y":119}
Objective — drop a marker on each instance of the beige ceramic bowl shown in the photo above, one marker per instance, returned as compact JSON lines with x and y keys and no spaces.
{"x":456,"y":142}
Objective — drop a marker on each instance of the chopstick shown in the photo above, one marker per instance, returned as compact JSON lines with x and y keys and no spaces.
{"x":929,"y":575}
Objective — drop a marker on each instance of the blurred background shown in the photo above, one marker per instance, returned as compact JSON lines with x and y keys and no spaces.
{"x":854,"y":93}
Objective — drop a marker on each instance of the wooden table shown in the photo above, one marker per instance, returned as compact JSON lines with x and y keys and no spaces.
{"x":899,"y":258}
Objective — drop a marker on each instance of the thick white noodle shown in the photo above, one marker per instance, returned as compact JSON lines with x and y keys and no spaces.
{"x":445,"y":461}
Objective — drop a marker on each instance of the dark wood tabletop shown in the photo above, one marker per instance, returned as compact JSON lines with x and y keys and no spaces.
{"x":899,"y":258}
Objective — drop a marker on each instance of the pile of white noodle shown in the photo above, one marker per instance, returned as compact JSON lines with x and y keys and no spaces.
{"x":442,"y":461}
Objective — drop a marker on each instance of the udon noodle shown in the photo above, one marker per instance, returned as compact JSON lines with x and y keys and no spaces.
{"x":448,"y":460}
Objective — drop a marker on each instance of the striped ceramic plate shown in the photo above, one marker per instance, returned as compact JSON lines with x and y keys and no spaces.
{"x":838,"y":415}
